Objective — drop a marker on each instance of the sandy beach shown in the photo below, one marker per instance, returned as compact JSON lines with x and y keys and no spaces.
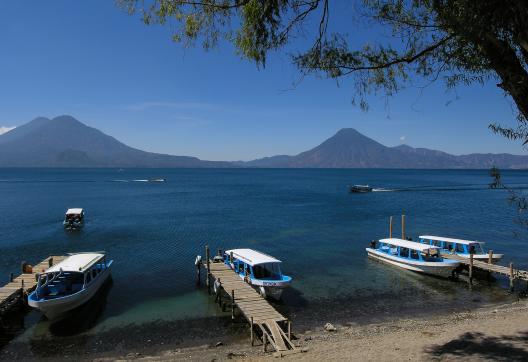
{"x":491,"y":333}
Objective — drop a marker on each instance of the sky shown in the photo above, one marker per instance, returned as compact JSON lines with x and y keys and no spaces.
{"x":106,"y":68}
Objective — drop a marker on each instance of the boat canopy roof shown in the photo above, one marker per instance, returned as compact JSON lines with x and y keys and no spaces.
{"x":252,"y":257}
{"x":74,"y":211}
{"x":77,"y":262}
{"x":408,"y":244}
{"x":450,"y":240}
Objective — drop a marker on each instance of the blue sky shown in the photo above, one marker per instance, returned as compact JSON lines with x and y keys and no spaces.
{"x":109,"y":70}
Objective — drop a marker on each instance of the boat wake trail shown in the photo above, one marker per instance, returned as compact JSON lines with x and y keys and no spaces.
{"x":446,"y":188}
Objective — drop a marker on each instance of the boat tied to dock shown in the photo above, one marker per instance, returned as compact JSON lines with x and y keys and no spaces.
{"x":462,"y":248}
{"x":70,"y":283}
{"x":414,"y":256}
{"x":259,"y":270}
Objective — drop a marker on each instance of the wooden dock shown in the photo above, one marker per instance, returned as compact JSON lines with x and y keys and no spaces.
{"x":509,"y":271}
{"x":17,"y":289}
{"x":264,"y":320}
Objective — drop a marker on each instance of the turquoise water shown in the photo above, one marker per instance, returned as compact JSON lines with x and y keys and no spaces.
{"x":306,"y":218}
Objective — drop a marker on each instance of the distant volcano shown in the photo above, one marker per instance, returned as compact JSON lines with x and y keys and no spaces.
{"x":350,"y":149}
{"x":65,"y":142}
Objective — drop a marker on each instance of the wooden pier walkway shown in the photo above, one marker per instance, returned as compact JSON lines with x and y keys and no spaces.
{"x":509,"y":271}
{"x":264,"y":320}
{"x":19,"y":287}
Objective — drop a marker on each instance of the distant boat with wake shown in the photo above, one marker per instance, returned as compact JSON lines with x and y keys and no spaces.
{"x":360,"y":188}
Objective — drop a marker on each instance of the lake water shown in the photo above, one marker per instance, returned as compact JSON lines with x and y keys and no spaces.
{"x":305,"y":217}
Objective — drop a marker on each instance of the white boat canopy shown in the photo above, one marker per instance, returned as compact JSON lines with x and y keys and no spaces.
{"x":74,"y":211}
{"x":252,"y":257}
{"x":450,"y":240}
{"x":77,"y":262}
{"x":408,"y":244}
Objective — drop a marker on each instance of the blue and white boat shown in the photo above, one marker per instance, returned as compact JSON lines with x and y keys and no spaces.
{"x":460,"y":247}
{"x":70,"y":283}
{"x":74,"y":218}
{"x":413,"y":256}
{"x":260,"y":270}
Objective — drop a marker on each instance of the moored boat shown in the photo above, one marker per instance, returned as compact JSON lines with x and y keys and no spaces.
{"x":74,"y":218}
{"x":360,"y":188}
{"x":260,"y":270}
{"x":413,"y":256}
{"x":70,"y":283}
{"x":460,"y":247}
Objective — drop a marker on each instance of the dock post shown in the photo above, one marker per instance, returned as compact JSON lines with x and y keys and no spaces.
{"x":471,"y":268}
{"x":265,"y":341}
{"x":231,"y":257}
{"x":390,"y":227}
{"x":11,"y":277}
{"x":22,"y":283}
{"x":219,"y":252}
{"x":252,"y":337}
{"x":50,"y":262}
{"x":232,"y":304}
{"x":198,"y":273}
{"x":289,"y":329}
{"x":218,"y":293}
{"x":490,"y":256}
{"x":511,"y":277}
{"x":207,"y":280}
{"x":403,"y":226}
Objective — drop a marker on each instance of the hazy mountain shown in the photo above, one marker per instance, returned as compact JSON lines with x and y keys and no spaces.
{"x":350,"y":149}
{"x":65,"y":142}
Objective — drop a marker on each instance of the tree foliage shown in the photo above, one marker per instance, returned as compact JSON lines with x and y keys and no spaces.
{"x":457,"y":41}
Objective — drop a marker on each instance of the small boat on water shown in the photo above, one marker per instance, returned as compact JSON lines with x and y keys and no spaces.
{"x":156,"y":180}
{"x":360,"y":188}
{"x":74,"y":218}
{"x":260,"y":270}
{"x":460,"y":247}
{"x":70,"y":283}
{"x":413,"y":256}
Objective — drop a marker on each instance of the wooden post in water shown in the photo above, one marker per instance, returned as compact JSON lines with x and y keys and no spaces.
{"x":289,"y":329}
{"x":490,"y":256}
{"x":511,"y":277}
{"x":252,"y":337}
{"x":390,"y":227}
{"x":219,"y":292}
{"x":22,"y":283}
{"x":207,"y":261}
{"x":403,"y":226}
{"x":265,"y":341}
{"x":219,"y":252}
{"x":232,"y":304}
{"x":471,"y":268}
{"x":198,"y":273}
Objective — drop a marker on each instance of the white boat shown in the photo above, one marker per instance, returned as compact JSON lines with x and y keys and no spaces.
{"x":260,"y":270}
{"x":74,"y":218}
{"x":413,"y":256}
{"x":460,"y":247}
{"x":70,"y":283}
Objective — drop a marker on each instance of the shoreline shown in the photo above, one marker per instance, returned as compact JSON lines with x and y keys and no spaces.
{"x":487,"y":333}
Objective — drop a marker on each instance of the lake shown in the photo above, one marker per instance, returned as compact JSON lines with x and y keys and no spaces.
{"x":305,"y":217}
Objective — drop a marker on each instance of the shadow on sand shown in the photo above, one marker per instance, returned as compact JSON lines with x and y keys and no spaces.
{"x":475,"y":345}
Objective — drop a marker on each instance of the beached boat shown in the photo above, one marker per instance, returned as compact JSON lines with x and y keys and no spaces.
{"x":70,"y":283}
{"x":260,"y":270}
{"x":413,"y":256}
{"x":460,"y":247}
{"x":360,"y":188}
{"x":74,"y":218}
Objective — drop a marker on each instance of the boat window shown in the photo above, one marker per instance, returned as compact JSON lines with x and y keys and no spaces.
{"x":448,"y":246}
{"x":88,"y":278}
{"x":460,"y":248}
{"x":414,"y":254}
{"x":267,"y":271}
{"x":437,"y":243}
{"x":404,"y":252}
{"x":240,"y":267}
{"x":477,"y":248}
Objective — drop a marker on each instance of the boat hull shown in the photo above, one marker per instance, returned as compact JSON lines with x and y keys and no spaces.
{"x":483,"y":257}
{"x":442,"y":269}
{"x":58,"y":308}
